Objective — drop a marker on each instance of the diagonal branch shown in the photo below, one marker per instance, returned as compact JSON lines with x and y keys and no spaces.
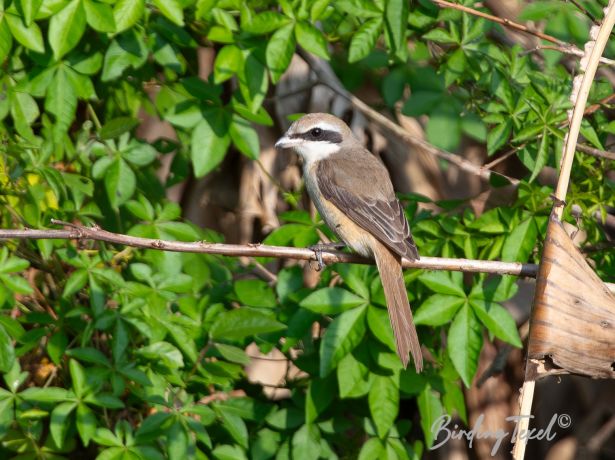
{"x":80,"y":232}
{"x":326,"y":76}
{"x":561,"y":45}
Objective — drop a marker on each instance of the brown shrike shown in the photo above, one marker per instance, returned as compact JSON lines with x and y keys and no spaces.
{"x":353,"y":193}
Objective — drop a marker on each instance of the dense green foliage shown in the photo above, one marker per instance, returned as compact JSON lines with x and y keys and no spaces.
{"x":117,"y":352}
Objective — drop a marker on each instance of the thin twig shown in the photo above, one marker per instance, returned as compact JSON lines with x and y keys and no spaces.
{"x":503,"y":21}
{"x":596,"y":152}
{"x":561,"y":46}
{"x":500,"y":159}
{"x":572,"y":50}
{"x":79,"y":232}
{"x":584,"y":10}
{"x":329,"y":79}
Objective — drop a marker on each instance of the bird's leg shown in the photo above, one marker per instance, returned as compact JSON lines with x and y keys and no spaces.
{"x":318,"y":248}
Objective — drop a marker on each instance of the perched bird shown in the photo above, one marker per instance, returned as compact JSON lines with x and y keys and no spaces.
{"x":353,"y":193}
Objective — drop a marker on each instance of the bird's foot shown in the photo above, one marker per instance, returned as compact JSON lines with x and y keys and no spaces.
{"x":318,"y":248}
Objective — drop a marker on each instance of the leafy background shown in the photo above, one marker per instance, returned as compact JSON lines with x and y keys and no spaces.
{"x":110,"y":352}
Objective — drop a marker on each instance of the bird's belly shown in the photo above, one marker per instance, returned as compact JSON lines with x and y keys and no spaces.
{"x":350,"y":233}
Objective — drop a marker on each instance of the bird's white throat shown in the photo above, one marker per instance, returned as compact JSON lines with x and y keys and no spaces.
{"x":312,"y":151}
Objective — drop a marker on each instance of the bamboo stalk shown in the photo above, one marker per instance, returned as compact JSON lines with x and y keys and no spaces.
{"x":599,"y":35}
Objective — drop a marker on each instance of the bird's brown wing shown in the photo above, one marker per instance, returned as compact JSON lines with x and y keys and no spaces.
{"x":366,"y":196}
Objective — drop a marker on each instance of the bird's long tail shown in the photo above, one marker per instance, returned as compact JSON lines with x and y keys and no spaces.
{"x":400,"y":315}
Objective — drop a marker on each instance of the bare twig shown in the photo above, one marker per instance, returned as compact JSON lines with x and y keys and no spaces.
{"x":79,"y":232}
{"x":602,"y":435}
{"x":561,"y":46}
{"x":570,"y":49}
{"x":503,"y":21}
{"x":596,"y":152}
{"x":584,"y":10}
{"x":329,"y":79}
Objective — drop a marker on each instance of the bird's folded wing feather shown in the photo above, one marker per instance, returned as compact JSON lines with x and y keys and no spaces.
{"x":366,"y":196}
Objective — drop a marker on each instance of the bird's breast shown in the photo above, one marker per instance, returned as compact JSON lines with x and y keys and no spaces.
{"x":350,"y":233}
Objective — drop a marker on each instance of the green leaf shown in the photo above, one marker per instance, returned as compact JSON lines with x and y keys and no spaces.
{"x":542,"y":155}
{"x":116,"y":127}
{"x":99,"y":16}
{"x":235,"y":426}
{"x":498,"y":320}
{"x":61,"y":100}
{"x":320,"y":394}
{"x":86,"y":423}
{"x":232,"y":354}
{"x":396,"y":23}
{"x":280,"y":50}
{"x":120,"y":182}
{"x":177,"y":442}
{"x":228,"y":62}
{"x":6,"y":41}
{"x":430,"y":409}
{"x":210,"y":140}
{"x":380,"y":326}
{"x":341,"y":337}
{"x":66,"y":28}
{"x":56,"y":346}
{"x":331,"y":301}
{"x":228,"y":452}
{"x":440,"y":36}
{"x":78,"y":378}
{"x":353,"y":377}
{"x":372,"y":449}
{"x":127,"y":12}
{"x":45,"y":395}
{"x":444,"y":127}
{"x":163,"y":352}
{"x":465,"y":341}
{"x":29,"y":36}
{"x":7,"y":352}
{"x":286,"y":418}
{"x":139,"y":154}
{"x":60,"y":422}
{"x":359,"y":8}
{"x":243,"y":322}
{"x":75,"y":282}
{"x":364,"y":40}
{"x":244,"y":137}
{"x":28,"y":9}
{"x":172,"y":9}
{"x":265,"y":23}
{"x":312,"y":39}
{"x":253,"y":81}
{"x":442,"y":283}
{"x":383,"y":402}
{"x":519,"y":244}
{"x":255,"y":293}
{"x":127,"y":50}
{"x":306,"y":442}
{"x":438,"y":309}
{"x":14,"y":264}
{"x":266,"y":444}
{"x":498,"y":136}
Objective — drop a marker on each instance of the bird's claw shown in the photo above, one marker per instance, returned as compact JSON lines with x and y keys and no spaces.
{"x":318,"y":248}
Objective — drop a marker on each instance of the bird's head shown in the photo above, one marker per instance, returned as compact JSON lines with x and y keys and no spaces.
{"x":316,"y":136}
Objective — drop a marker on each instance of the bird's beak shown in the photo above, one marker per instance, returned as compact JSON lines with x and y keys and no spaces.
{"x":286,"y":142}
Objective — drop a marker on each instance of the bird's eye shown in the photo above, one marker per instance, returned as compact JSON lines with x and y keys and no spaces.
{"x":316,"y":133}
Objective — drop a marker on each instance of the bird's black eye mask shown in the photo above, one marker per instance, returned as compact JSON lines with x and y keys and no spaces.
{"x":320,"y":135}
